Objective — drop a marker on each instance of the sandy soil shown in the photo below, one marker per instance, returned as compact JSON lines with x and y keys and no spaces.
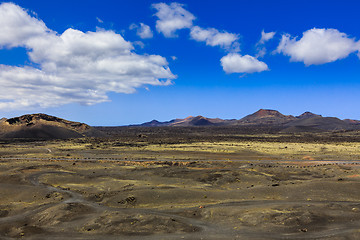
{"x":111,"y":199}
{"x":182,"y":183}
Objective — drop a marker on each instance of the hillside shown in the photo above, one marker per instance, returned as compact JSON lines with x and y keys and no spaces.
{"x":189,"y":122}
{"x":42,"y":126}
{"x":323,"y":123}
{"x":266,"y":116}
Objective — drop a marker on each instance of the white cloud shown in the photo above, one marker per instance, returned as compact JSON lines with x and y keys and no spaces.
{"x":173,"y":58}
{"x":266,"y":36}
{"x":172,"y":17}
{"x":214,"y":37}
{"x":142,"y":30}
{"x":260,"y":46}
{"x":73,"y":67}
{"x":236,"y":63}
{"x":17,"y":26}
{"x":318,"y":46}
{"x":261,"y":51}
{"x":99,"y":20}
{"x":139,"y":44}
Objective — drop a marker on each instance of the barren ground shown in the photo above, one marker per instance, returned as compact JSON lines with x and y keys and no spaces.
{"x":142,"y":189}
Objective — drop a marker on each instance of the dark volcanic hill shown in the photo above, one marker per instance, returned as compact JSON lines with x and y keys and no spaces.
{"x":306,"y":115}
{"x":320,"y":123}
{"x":193,"y":121}
{"x":42,"y":126}
{"x":352,"y":122}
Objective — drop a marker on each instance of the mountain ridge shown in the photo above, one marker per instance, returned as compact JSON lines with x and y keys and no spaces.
{"x":306,"y":121}
{"x":43,"y":126}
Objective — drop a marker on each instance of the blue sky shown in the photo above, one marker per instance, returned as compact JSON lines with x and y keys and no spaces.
{"x":125,"y":62}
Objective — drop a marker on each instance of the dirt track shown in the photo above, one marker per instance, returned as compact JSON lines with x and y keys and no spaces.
{"x":179,"y":199}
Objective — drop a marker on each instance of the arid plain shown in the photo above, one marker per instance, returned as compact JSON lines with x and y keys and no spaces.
{"x":182,"y":183}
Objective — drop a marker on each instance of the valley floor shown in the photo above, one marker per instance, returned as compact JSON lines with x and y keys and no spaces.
{"x":140,"y":188}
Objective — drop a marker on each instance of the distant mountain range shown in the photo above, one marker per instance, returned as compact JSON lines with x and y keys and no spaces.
{"x":305,"y":122}
{"x":42,"y":126}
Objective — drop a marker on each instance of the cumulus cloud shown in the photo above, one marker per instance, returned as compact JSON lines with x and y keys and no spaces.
{"x":261,"y":51}
{"x":171,"y":18}
{"x":142,"y":30}
{"x":318,"y":46}
{"x":17,"y":26}
{"x":214,"y":37}
{"x":74,"y":66}
{"x":266,"y":36}
{"x":236,"y":63}
{"x":260,"y":46}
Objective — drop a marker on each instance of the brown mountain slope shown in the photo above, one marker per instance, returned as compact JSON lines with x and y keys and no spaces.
{"x":352,"y":121}
{"x":42,"y":126}
{"x":197,"y":121}
{"x":189,"y":121}
{"x":308,"y":115}
{"x":266,"y":116}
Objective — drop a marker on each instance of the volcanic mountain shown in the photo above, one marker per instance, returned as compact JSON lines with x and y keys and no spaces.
{"x":265,"y":117}
{"x":306,"y":122}
{"x":186,"y":122}
{"x":318,"y":123}
{"x":261,"y":117}
{"x":42,"y":126}
{"x":306,"y":115}
{"x":352,"y":121}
